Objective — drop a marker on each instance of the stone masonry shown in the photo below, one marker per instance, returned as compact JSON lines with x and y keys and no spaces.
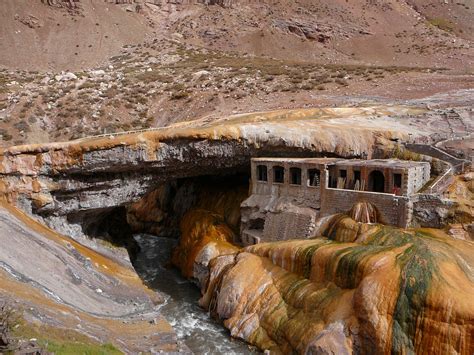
{"x":288,"y":195}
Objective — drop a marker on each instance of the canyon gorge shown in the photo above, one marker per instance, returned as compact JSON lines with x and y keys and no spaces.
{"x":236,"y":177}
{"x":355,"y":288}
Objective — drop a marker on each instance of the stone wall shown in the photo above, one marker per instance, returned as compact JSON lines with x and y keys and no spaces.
{"x":303,"y":194}
{"x":393,"y":210}
{"x":289,"y":225}
{"x":417,"y":176}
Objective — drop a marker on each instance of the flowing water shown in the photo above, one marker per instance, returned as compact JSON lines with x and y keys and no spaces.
{"x":194,"y":327}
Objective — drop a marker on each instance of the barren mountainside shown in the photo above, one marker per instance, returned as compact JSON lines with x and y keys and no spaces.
{"x":76,"y":34}
{"x":79,"y":68}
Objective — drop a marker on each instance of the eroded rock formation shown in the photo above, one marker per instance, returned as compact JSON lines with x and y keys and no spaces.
{"x":66,"y":182}
{"x":358,"y":288}
{"x":64,"y":291}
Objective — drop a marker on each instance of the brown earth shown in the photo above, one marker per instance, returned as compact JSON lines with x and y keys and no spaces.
{"x":102,"y":68}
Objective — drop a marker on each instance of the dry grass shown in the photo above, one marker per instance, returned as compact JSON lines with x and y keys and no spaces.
{"x":442,"y":24}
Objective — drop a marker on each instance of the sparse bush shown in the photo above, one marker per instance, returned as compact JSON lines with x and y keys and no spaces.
{"x":403,"y":154}
{"x":8,"y":320}
{"x":142,"y":100}
{"x":307,"y":86}
{"x":27,"y":105}
{"x":149,"y":77}
{"x":87,"y":85}
{"x":22,"y":126}
{"x":179,"y":95}
{"x":341,"y":82}
{"x":442,"y":24}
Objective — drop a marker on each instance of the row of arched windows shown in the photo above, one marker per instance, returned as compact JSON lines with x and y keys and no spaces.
{"x":313,"y":175}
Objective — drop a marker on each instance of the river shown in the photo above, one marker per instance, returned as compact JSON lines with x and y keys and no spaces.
{"x":194,"y":327}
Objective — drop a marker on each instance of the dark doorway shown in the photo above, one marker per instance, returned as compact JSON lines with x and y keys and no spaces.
{"x":376,"y":181}
{"x":397,"y":180}
{"x":314,"y":176}
{"x":356,"y":175}
{"x":357,"y":183}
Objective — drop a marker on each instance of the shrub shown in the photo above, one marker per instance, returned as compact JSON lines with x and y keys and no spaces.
{"x":22,"y":126}
{"x":179,"y":95}
{"x":403,"y":154}
{"x":8,"y":319}
{"x":442,"y":24}
{"x":342,"y":82}
{"x":149,"y":77}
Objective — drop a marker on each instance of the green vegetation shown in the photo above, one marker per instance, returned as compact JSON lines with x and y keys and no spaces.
{"x":78,"y":348}
{"x":442,"y":24}
{"x":402,"y":154}
{"x":63,"y":341}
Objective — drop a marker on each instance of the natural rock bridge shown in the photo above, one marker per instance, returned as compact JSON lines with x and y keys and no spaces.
{"x":68,"y":183}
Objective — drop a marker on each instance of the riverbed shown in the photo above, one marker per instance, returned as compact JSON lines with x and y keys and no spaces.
{"x":195,"y":329}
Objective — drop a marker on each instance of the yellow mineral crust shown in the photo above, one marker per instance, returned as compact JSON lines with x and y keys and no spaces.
{"x":214,"y":220}
{"x":199,"y":228}
{"x":335,"y":130}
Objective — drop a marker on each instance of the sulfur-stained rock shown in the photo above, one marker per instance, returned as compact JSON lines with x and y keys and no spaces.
{"x":332,"y":340}
{"x":100,"y":173}
{"x":362,"y":288}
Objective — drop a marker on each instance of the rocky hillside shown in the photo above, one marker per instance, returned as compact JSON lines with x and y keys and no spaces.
{"x":79,"y":34}
{"x":79,"y":68}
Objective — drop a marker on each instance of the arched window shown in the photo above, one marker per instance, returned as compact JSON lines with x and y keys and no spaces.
{"x":376,"y":181}
{"x":262,"y":173}
{"x":295,"y":176}
{"x":279,"y":174}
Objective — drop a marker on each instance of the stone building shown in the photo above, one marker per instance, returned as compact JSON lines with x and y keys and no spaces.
{"x":289,"y":195}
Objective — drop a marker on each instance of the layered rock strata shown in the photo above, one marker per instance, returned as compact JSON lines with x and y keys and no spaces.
{"x":67,"y":182}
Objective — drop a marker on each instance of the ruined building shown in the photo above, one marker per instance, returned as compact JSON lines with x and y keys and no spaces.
{"x":288,"y":196}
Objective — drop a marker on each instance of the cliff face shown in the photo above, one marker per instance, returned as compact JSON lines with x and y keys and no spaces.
{"x":66,"y":183}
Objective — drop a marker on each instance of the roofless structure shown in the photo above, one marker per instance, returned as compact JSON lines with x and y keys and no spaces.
{"x":288,"y":195}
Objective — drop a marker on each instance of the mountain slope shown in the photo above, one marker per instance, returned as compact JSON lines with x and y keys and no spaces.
{"x":35,"y":36}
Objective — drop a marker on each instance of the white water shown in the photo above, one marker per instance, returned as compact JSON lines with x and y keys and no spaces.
{"x":194,"y":327}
